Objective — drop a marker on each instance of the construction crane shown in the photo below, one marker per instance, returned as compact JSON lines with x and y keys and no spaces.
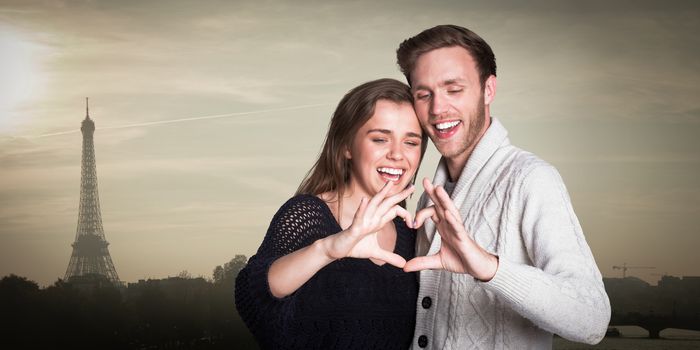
{"x":624,"y":268}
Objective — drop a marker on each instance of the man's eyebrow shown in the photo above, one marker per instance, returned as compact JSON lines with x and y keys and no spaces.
{"x":446,"y":82}
{"x":453,"y":81}
{"x":415,"y":88}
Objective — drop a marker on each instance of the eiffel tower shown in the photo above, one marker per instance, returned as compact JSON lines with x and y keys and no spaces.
{"x":90,"y":254}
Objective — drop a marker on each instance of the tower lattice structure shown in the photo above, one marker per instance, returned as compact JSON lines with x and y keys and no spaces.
{"x":90,"y":254}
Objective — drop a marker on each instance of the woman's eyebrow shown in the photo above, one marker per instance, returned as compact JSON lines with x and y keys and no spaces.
{"x":383,"y":131}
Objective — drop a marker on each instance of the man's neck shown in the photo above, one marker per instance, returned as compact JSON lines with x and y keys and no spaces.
{"x":456,"y":164}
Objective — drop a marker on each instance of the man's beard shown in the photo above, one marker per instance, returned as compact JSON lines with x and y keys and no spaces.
{"x":475,"y":126}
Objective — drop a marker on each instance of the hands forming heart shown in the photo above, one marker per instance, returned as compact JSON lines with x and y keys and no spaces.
{"x":458,"y":252}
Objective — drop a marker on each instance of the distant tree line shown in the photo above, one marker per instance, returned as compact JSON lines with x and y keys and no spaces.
{"x":186,"y":312}
{"x":174,"y":313}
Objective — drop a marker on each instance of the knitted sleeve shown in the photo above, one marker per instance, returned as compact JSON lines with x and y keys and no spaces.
{"x":563,"y":293}
{"x":298,"y":223}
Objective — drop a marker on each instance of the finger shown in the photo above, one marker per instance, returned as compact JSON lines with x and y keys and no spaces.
{"x":361,"y":209}
{"x":430,"y":190}
{"x":424,"y":214}
{"x":457,"y":226}
{"x":379,"y":197}
{"x":398,"y":211}
{"x":390,"y":258}
{"x":446,"y":202}
{"x":389,"y":202}
{"x":359,"y":213}
{"x":428,"y":186}
{"x":402,"y":195}
{"x":431,"y":262}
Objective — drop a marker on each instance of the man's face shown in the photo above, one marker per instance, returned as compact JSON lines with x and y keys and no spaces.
{"x":449,"y":100}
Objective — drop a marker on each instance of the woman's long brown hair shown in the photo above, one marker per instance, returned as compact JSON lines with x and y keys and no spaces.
{"x":331,"y":172}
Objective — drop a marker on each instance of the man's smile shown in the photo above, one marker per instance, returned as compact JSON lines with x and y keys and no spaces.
{"x":446,"y":129}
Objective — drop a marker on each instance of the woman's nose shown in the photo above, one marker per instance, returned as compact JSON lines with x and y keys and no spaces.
{"x":395,"y":152}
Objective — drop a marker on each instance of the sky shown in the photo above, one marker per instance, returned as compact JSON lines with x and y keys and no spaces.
{"x":209,"y":113}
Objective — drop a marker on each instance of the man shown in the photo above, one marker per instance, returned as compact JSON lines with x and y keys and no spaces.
{"x":505,"y":261}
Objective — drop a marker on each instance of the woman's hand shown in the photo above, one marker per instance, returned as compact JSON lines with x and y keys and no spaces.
{"x":360,"y":240}
{"x":291,"y":271}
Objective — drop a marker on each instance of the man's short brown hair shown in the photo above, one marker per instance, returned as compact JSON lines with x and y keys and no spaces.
{"x":446,"y":36}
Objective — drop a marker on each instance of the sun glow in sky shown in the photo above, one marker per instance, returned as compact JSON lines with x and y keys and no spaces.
{"x":23,"y":80}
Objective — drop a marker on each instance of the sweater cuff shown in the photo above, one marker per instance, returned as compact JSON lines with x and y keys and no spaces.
{"x":510,"y":282}
{"x":262,"y":283}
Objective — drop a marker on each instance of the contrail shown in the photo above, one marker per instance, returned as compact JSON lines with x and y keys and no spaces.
{"x":216,"y":116}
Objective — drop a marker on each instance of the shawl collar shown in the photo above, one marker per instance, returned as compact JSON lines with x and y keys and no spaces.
{"x":495,"y":137}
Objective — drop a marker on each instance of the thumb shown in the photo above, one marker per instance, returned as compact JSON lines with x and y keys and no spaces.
{"x":391,"y":258}
{"x":431,"y":262}
{"x":424,"y":214}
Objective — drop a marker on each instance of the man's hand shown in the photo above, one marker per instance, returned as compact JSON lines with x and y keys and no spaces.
{"x":458,"y":252}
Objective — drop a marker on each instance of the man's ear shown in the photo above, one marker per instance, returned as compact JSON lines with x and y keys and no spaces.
{"x":490,"y":90}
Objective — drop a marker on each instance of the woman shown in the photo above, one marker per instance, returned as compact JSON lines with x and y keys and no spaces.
{"x":328,"y":272}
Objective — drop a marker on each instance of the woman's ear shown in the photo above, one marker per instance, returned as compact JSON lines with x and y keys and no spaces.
{"x":346,"y":152}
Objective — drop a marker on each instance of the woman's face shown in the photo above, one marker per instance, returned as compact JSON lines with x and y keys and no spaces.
{"x":386,"y":148}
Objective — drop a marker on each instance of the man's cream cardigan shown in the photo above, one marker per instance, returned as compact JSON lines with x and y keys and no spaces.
{"x":515,"y":206}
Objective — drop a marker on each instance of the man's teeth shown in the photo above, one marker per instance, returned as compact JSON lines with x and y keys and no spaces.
{"x":446,"y":125}
{"x":391,"y":171}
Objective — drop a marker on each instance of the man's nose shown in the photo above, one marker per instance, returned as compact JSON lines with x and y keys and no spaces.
{"x":438,"y":105}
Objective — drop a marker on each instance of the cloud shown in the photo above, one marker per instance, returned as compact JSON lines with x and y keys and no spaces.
{"x":181,"y":120}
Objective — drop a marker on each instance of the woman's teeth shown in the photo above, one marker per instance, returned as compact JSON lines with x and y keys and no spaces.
{"x":391,"y":173}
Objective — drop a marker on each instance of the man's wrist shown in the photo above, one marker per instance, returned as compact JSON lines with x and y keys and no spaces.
{"x":492,"y":268}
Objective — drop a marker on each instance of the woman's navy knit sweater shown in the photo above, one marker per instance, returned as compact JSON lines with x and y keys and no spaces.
{"x":349,"y":304}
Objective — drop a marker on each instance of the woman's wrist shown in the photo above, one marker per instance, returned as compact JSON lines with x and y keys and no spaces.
{"x":322,"y":249}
